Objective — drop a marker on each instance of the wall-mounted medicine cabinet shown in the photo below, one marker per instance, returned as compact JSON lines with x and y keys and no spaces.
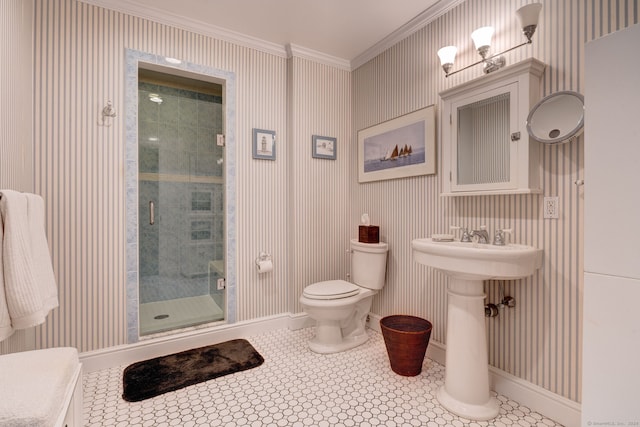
{"x":485,"y":143}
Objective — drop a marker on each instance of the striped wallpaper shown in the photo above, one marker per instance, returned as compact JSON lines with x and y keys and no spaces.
{"x":79,"y":163}
{"x":539,"y":340}
{"x":16,"y":106}
{"x":299,"y":209}
{"x":320,"y":99}
{"x":80,"y":166}
{"x":16,"y":127}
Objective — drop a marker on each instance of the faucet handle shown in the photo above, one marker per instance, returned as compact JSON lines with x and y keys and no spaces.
{"x":499,"y":238}
{"x":465,"y":236}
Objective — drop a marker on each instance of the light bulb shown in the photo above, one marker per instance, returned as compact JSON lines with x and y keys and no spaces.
{"x":447,"y":55}
{"x":528,"y":16}
{"x":482,"y":38}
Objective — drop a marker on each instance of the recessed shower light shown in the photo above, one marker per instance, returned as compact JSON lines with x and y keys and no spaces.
{"x":154,"y":97}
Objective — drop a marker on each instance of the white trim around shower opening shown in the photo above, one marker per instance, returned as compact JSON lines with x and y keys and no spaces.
{"x":134,"y":59}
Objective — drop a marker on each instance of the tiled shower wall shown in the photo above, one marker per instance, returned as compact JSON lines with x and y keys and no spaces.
{"x":540,"y":339}
{"x":181,"y":169}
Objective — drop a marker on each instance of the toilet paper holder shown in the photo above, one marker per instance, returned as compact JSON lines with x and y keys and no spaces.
{"x":263,"y":256}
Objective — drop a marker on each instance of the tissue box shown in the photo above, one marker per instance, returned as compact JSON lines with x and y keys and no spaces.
{"x":368,"y":234}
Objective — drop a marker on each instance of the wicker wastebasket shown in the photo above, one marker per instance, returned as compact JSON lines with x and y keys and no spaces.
{"x":406,"y":338}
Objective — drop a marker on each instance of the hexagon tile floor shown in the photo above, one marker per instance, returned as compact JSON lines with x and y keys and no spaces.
{"x":296,"y":387}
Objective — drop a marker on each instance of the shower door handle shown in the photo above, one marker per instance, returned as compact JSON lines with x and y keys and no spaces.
{"x":152,"y":215}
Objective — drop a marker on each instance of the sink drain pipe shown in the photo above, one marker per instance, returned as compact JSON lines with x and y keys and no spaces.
{"x":492,"y":310}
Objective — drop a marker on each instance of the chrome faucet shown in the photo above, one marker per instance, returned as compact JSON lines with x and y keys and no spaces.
{"x":466,"y":236}
{"x":499,"y":238}
{"x":482,"y":234}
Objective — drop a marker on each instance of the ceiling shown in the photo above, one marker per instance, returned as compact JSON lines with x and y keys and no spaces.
{"x":343,"y":29}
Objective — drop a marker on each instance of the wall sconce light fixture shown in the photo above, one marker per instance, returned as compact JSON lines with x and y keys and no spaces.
{"x":528,"y":16}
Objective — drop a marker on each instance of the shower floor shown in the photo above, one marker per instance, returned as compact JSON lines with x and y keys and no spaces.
{"x":163,"y":316}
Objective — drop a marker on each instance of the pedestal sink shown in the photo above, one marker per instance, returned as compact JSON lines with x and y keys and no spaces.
{"x":466,"y":388}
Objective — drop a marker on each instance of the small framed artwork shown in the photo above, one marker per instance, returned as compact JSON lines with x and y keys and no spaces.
{"x":323,"y":147}
{"x":264,"y":144}
{"x":398,"y":148}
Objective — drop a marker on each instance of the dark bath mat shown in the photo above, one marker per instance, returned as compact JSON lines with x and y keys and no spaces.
{"x":143,"y":380}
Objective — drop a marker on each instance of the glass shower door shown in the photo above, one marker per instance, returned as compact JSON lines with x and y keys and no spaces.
{"x":181,"y":203}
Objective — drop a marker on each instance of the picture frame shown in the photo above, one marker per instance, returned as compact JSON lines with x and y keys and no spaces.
{"x":398,"y":148}
{"x":264,"y":144}
{"x":323,"y":147}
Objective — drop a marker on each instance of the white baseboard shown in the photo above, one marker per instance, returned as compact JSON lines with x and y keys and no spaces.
{"x":551,"y":405}
{"x":300,"y":321}
{"x":147,"y":349}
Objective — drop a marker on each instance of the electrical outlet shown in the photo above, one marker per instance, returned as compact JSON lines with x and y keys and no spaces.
{"x":551,"y":207}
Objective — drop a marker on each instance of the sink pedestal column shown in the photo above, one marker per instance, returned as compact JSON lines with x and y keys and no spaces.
{"x":466,"y":388}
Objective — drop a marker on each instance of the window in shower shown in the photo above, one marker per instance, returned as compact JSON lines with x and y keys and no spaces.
{"x":180,"y":202}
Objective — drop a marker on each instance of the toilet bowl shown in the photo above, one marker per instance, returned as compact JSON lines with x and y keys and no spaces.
{"x":340,"y":308}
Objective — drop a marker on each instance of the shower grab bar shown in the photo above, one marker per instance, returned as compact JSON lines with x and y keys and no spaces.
{"x":152,"y":216}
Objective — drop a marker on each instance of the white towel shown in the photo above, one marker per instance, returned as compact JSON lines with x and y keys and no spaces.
{"x":5,"y":320}
{"x":35,"y":384}
{"x":28,"y":282}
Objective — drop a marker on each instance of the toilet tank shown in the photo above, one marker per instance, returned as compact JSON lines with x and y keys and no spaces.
{"x":368,"y":264}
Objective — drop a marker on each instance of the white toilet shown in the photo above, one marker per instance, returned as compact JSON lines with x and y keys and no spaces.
{"x":340,"y":308}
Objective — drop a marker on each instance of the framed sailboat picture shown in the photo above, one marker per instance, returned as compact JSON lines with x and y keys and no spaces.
{"x":398,"y":148}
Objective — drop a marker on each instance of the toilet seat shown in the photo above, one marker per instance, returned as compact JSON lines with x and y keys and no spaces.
{"x":330,"y":290}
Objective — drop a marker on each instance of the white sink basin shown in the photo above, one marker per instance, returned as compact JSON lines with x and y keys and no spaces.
{"x":466,"y":388}
{"x":475,"y":261}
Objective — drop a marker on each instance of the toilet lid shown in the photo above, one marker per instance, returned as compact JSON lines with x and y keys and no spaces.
{"x":331,"y":289}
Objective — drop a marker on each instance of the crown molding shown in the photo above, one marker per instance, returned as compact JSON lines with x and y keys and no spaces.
{"x":314,"y":55}
{"x":417,"y":23}
{"x":163,"y":17}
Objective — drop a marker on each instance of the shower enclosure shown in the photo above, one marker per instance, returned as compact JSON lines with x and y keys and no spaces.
{"x":180,"y":168}
{"x":181,"y":202}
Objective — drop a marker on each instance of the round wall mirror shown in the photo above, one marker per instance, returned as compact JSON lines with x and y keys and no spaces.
{"x":557,"y":118}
